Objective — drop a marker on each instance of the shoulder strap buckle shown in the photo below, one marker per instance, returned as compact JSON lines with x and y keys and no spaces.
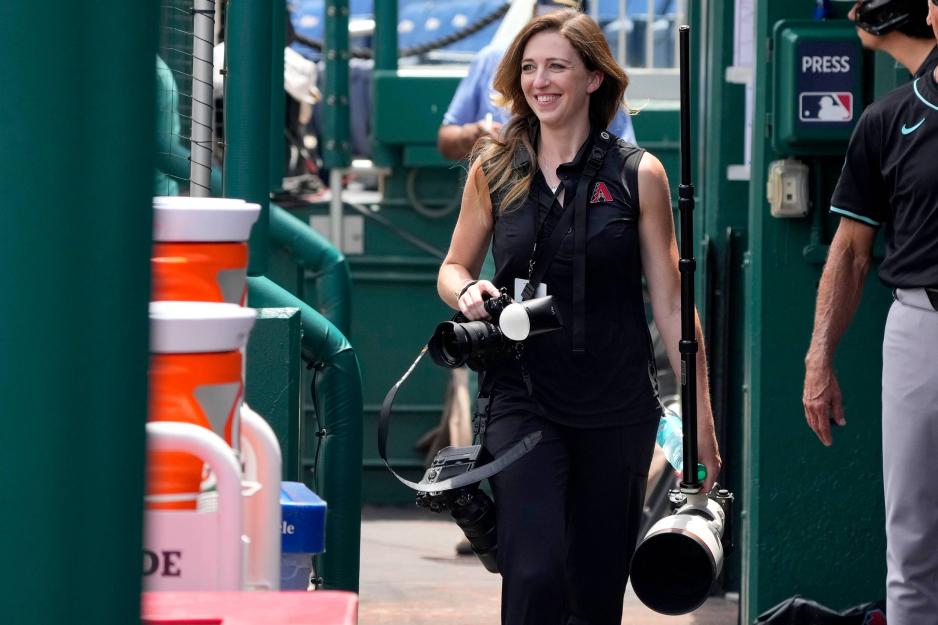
{"x":595,"y":161}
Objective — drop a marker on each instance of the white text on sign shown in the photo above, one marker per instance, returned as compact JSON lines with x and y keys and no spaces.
{"x":825,"y":64}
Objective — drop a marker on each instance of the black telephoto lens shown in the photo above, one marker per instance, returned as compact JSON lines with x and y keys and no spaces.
{"x":484,"y":339}
{"x":474,"y":512}
{"x":449,"y":346}
{"x":454,"y":344}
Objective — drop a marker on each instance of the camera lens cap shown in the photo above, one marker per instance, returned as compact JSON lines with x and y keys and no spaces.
{"x":514,"y":322}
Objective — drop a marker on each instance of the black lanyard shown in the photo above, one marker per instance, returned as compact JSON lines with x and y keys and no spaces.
{"x":541,"y":221}
{"x":575,"y":213}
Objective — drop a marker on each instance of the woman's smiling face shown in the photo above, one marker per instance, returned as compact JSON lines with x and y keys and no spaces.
{"x":554,"y":79}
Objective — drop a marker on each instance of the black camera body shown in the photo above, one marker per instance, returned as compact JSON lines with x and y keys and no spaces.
{"x":471,"y":343}
{"x":477,"y":344}
{"x":469,"y":506}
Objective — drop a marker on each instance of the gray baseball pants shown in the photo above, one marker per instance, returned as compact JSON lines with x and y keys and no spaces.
{"x":910,"y":458}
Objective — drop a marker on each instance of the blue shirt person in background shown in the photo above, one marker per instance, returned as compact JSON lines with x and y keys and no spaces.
{"x":472,"y":114}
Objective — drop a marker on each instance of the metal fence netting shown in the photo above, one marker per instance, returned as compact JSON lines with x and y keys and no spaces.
{"x":184,"y":97}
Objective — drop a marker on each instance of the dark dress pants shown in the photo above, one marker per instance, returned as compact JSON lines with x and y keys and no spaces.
{"x":568,"y":517}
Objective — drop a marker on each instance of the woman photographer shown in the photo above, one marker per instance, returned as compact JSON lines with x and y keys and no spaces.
{"x":569,"y":511}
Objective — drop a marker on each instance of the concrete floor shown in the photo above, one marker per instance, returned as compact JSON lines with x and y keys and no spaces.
{"x":410,"y":575}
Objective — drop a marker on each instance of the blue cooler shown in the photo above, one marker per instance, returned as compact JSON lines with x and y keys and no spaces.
{"x":303,"y":533}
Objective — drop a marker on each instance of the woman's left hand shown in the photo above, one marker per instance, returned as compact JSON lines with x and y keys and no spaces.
{"x":708,"y":453}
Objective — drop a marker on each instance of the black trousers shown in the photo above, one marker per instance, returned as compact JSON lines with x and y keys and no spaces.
{"x":568,"y":517}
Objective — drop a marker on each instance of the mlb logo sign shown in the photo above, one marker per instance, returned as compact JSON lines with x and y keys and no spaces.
{"x":825,"y":106}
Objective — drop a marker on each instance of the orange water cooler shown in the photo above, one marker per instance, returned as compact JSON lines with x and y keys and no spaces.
{"x":200,"y":250}
{"x":214,"y":465}
{"x":195,"y":377}
{"x":200,"y":254}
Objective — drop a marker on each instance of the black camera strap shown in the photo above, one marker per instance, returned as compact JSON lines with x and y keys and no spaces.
{"x":472,"y":476}
{"x":480,"y":419}
{"x":576,"y":213}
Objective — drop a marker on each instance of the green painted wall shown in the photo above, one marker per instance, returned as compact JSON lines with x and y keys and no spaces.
{"x":720,"y":225}
{"x":813,"y":516}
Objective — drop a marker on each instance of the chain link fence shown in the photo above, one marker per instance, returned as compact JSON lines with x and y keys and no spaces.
{"x":185,"y":117}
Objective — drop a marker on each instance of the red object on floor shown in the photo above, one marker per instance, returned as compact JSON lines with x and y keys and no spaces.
{"x":322,"y":607}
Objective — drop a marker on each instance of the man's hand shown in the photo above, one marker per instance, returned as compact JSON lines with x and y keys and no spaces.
{"x":484,"y":127}
{"x":455,"y":141}
{"x":822,"y":399}
{"x":838,"y":296}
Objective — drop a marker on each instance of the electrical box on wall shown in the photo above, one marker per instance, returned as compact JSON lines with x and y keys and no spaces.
{"x":787,"y":188}
{"x":818,"y":97}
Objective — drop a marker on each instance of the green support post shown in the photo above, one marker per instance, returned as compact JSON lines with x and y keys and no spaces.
{"x":278,"y":98}
{"x":385,"y":63}
{"x":272,"y":384}
{"x":247,"y":116}
{"x":78,"y":116}
{"x":386,"y":36}
{"x":335,"y":109}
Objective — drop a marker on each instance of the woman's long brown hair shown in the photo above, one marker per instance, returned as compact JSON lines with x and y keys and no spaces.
{"x":496,"y":154}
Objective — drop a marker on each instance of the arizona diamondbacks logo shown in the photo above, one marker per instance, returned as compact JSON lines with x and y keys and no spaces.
{"x":875,"y":617}
{"x":600,"y":193}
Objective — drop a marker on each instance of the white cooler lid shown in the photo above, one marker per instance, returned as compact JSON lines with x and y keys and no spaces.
{"x":198,"y":327}
{"x":202,"y":219}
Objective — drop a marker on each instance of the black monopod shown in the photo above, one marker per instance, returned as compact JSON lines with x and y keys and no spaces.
{"x":681,"y":556}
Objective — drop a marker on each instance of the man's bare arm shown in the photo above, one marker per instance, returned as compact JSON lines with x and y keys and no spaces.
{"x":455,"y":141}
{"x":839,"y":292}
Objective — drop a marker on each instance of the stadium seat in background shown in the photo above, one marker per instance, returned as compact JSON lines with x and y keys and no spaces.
{"x":422,"y":22}
{"x":361,"y":8}
{"x":307,"y":18}
{"x":635,"y":25}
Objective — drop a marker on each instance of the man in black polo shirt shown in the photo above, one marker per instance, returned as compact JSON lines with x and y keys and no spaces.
{"x":890,"y":179}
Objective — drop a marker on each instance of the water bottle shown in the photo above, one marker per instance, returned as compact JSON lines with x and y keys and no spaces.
{"x":671,"y":440}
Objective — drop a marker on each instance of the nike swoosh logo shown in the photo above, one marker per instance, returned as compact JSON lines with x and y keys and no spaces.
{"x":907,"y":131}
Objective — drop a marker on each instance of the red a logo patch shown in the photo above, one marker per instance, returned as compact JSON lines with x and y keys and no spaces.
{"x":876,"y":617}
{"x":600,"y":194}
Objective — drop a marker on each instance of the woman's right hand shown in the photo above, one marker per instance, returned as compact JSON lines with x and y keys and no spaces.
{"x":471,"y":304}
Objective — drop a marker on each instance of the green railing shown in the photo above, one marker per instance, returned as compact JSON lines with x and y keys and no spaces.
{"x":337,"y":389}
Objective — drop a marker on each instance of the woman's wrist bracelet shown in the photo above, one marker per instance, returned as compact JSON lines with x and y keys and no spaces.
{"x":465,"y":288}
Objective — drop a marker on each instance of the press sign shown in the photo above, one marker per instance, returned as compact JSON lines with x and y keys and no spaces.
{"x":825,"y":83}
{"x":817,"y":96}
{"x":826,"y":64}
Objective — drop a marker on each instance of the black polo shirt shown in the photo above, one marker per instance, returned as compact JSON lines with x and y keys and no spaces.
{"x":930,"y":62}
{"x":890,"y":179}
